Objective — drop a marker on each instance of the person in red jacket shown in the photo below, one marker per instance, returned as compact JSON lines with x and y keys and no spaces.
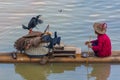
{"x":102,"y":45}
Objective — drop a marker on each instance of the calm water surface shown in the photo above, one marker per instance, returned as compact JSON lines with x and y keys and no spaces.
{"x":73,"y":24}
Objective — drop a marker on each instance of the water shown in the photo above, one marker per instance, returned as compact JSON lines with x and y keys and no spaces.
{"x":73,"y":24}
{"x":56,"y":71}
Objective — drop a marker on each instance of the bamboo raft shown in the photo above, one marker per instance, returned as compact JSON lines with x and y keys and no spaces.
{"x":23,"y":58}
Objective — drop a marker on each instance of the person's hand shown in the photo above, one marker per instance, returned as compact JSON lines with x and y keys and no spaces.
{"x":87,"y":42}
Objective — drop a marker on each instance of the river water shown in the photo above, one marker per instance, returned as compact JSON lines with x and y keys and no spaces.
{"x":73,"y":20}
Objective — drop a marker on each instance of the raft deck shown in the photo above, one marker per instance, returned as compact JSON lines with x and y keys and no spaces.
{"x":23,"y":58}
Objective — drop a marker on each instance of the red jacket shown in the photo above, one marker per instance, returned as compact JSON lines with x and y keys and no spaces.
{"x":103,"y":48}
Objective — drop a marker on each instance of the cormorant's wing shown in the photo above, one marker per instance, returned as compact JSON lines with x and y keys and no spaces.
{"x":40,"y":21}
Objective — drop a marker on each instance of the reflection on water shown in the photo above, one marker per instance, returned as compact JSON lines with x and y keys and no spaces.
{"x":59,"y":71}
{"x":100,"y":71}
{"x":64,"y":71}
{"x":40,"y":72}
{"x":32,"y":71}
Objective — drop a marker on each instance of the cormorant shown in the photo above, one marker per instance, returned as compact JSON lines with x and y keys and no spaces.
{"x":32,"y":23}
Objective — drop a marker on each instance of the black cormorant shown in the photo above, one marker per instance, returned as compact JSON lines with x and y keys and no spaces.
{"x":33,"y":22}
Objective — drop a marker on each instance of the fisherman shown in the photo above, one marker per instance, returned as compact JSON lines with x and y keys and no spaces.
{"x":102,"y":45}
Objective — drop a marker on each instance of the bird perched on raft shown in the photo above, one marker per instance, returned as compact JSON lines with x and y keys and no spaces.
{"x":33,"y":23}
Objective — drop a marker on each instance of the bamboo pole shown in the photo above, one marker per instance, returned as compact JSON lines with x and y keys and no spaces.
{"x":88,"y":50}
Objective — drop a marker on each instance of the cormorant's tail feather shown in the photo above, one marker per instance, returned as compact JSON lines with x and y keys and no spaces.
{"x":24,"y":27}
